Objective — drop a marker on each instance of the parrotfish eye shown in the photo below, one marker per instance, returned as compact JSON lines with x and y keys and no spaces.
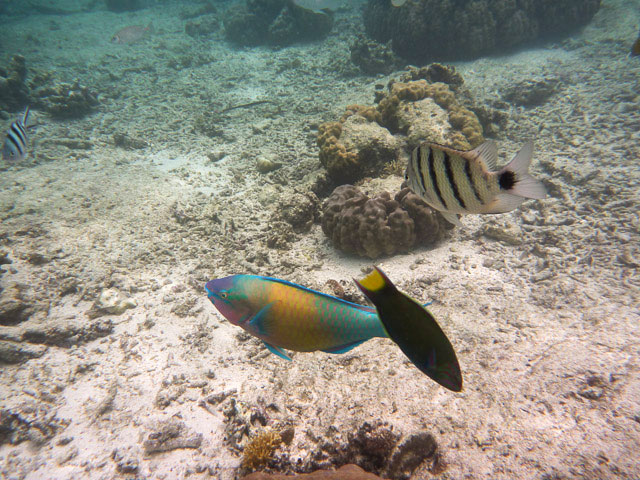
{"x":223,"y":294}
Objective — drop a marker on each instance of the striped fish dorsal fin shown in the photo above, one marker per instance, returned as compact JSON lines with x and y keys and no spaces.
{"x":486,"y":153}
{"x":25,"y":117}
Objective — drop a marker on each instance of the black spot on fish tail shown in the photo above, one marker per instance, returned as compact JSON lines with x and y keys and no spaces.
{"x":507,"y":180}
{"x":452,"y":182}
{"x":434,"y":179}
{"x":467,"y":171}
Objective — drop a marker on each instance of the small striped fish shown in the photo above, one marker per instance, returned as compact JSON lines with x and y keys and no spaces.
{"x":15,"y":145}
{"x":457,"y":182}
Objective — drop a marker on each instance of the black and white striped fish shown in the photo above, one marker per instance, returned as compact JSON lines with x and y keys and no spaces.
{"x":458,"y":182}
{"x":15,"y":145}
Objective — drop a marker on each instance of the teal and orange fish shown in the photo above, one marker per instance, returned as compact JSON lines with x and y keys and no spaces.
{"x":288,"y":316}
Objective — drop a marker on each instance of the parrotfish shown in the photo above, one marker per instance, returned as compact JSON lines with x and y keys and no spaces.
{"x":288,"y":316}
{"x":462,"y":182}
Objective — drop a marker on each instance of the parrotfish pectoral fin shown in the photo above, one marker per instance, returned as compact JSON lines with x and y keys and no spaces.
{"x":261,"y":322}
{"x":344,"y":348}
{"x":414,"y":330}
{"x":277,"y":350}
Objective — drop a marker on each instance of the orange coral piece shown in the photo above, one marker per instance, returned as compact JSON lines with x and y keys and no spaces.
{"x":369,"y":112}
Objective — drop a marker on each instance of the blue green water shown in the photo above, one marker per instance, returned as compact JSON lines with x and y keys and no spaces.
{"x":186,"y":148}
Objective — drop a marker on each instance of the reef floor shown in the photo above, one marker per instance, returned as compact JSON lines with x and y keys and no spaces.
{"x":123,"y":367}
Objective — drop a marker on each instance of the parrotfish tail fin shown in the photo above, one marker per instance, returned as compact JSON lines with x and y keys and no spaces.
{"x":414,"y":330}
{"x":515,"y":178}
{"x":25,"y":117}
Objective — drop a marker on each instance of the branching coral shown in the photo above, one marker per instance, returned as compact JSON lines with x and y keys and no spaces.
{"x":260,"y":449}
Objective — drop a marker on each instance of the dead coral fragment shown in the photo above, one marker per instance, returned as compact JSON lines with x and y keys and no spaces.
{"x":260,"y":449}
{"x":357,"y":145}
{"x":170,"y":434}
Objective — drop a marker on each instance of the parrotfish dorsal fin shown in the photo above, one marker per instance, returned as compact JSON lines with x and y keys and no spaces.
{"x":487,"y":153}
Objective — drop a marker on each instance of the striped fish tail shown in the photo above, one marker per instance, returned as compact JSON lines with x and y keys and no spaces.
{"x":515,"y":179}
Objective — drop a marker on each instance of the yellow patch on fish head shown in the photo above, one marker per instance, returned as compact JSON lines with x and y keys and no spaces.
{"x":374,"y":281}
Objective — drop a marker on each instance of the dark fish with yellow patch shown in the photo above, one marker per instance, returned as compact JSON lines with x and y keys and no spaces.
{"x":463,"y":182}
{"x":412,"y":327}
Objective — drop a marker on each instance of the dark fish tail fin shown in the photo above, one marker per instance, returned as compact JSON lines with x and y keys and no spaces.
{"x":514,"y":178}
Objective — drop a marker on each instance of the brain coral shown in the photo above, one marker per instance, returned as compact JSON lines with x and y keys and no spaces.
{"x":373,"y":227}
{"x":427,"y":30}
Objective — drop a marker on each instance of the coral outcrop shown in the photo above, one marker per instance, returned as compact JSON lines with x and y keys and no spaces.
{"x":378,"y":226}
{"x":275,"y":22}
{"x":14,"y":91}
{"x":66,"y":100}
{"x":420,"y":107}
{"x":125,"y":5}
{"x":373,"y":57}
{"x":429,"y":30}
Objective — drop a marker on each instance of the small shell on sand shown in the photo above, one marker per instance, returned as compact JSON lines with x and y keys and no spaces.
{"x":266,"y":165}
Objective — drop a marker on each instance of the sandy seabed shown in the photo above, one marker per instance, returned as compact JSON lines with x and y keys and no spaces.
{"x":544,"y":316}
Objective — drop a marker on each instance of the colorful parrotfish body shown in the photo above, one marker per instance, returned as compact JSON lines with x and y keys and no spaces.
{"x":285,"y":315}
{"x":414,"y":329}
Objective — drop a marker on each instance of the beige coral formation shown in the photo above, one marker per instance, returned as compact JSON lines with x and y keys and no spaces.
{"x":415,"y":110}
{"x":467,"y":131}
